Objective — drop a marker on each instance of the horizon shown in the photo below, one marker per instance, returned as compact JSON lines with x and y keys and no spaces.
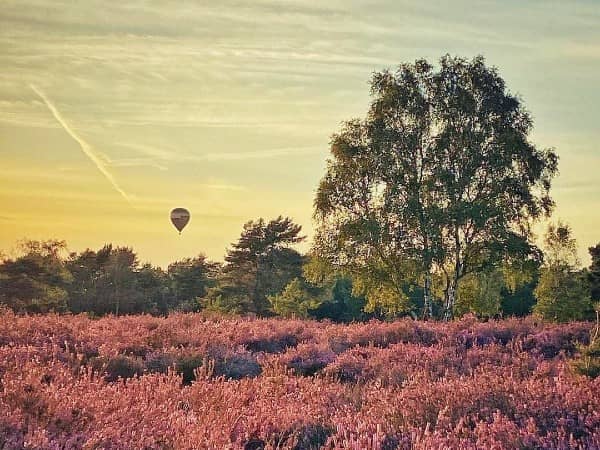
{"x":111,"y":115}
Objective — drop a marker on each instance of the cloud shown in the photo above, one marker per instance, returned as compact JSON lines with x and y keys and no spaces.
{"x":582,"y":51}
{"x":166,"y":154}
{"x":136,"y":162}
{"x":259,"y":154}
{"x":87,"y":149}
{"x":224,"y":187}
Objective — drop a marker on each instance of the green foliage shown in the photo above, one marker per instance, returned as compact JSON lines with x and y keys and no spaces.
{"x":36,"y":281}
{"x":385,"y":293}
{"x":589,"y":361}
{"x":520,"y":279}
{"x":189,"y":280}
{"x":343,"y":305}
{"x":594,"y":273}
{"x":481,"y":294}
{"x":439,"y":173}
{"x":294,"y":301}
{"x":227,"y":299}
{"x":109,"y":280}
{"x":560,"y":247}
{"x":562,"y":293}
{"x":259,"y":265}
{"x":153,"y":284}
{"x":106,"y":282}
{"x":520,"y":272}
{"x":519,"y":302}
{"x":118,"y":367}
{"x":186,"y":366}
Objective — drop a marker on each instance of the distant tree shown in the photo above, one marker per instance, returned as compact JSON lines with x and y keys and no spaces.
{"x":481,"y":294}
{"x":121,"y":277}
{"x":486,"y":293}
{"x":86,"y":291}
{"x":562,"y":292}
{"x":260,"y":264}
{"x":190,"y":280}
{"x":440,"y":176}
{"x":296,"y":300}
{"x":153,"y":285}
{"x":106,"y":281}
{"x":520,"y":277}
{"x":520,"y":301}
{"x":36,"y":280}
{"x":594,"y":273}
{"x":342,"y":305}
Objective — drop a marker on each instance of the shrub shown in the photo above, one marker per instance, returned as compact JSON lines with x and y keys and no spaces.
{"x":551,"y":341}
{"x":481,"y":385}
{"x":311,"y":436}
{"x":187,"y":365}
{"x":159,"y":362}
{"x":272,"y":344}
{"x":308,"y":359}
{"x":119,"y":366}
{"x":236,"y":366}
{"x":589,"y":362}
{"x":254,"y":443}
{"x":11,"y":436}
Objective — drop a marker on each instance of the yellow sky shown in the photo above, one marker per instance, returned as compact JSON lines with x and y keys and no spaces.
{"x":113,"y":113}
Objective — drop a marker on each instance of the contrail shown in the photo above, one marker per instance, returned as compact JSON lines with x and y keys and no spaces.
{"x":85,"y":147}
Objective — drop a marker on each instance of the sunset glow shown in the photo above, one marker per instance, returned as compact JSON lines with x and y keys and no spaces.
{"x":111,"y":115}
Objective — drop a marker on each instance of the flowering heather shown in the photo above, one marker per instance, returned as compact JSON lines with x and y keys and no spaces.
{"x":189,"y":382}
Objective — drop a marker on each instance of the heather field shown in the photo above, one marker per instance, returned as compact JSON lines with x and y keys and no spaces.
{"x":192,"y":382}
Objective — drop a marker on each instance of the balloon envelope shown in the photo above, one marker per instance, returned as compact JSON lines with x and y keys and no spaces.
{"x":180,"y":217}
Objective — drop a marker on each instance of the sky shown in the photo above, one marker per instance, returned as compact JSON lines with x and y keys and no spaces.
{"x":113,"y":113}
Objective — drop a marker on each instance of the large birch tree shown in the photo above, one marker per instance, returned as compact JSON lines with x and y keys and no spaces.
{"x":440,"y":177}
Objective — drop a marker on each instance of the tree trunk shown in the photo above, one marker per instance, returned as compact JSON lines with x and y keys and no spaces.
{"x":427,"y":301}
{"x":450,"y":300}
{"x":453,"y":283}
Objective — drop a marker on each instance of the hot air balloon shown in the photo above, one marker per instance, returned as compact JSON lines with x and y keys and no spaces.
{"x":180,"y":218}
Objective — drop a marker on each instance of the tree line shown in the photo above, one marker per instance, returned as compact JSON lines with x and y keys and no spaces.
{"x":262,"y":275}
{"x":426,"y":208}
{"x":265,"y":276}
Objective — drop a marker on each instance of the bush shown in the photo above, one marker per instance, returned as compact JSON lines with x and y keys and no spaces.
{"x":237,"y":366}
{"x":511,"y":393}
{"x":254,"y":443}
{"x":159,"y":362}
{"x":308,"y":359}
{"x":550,"y":342}
{"x":588,"y":366}
{"x":11,"y":436}
{"x":311,"y":436}
{"x":118,"y":367}
{"x":186,"y":366}
{"x":589,"y":362}
{"x":272,"y":344}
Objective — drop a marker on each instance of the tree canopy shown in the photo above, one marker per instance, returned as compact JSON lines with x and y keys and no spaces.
{"x":562,"y":292}
{"x":439,"y":176}
{"x":259,"y":265}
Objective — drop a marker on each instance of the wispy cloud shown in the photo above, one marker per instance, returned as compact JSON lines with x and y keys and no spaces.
{"x":87,"y":149}
{"x":224,"y":187}
{"x":259,"y":154}
{"x":166,"y":154}
{"x":136,"y":162}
